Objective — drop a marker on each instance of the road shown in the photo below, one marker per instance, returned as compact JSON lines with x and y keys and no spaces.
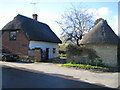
{"x":16,"y":78}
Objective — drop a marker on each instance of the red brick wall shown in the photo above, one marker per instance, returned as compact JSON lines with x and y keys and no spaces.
{"x":35,"y":54}
{"x":20,"y":46}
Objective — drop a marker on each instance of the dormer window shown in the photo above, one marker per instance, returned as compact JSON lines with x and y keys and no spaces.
{"x":13,"y":35}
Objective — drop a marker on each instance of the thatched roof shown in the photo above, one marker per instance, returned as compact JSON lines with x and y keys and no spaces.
{"x":101,"y":33}
{"x":34,"y":30}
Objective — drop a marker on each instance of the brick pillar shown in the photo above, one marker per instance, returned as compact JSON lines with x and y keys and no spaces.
{"x":35,"y":54}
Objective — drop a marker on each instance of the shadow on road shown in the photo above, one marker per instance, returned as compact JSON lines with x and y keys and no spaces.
{"x":15,"y":78}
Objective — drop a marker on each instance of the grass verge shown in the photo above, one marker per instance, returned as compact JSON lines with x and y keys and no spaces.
{"x":84,"y":66}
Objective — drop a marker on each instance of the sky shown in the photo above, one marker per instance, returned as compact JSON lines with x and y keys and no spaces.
{"x":50,"y":11}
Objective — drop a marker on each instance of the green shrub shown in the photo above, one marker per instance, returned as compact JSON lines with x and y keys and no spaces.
{"x":95,"y":62}
{"x":62,"y":47}
{"x":62,"y":55}
{"x":78,"y":50}
{"x":76,"y":54}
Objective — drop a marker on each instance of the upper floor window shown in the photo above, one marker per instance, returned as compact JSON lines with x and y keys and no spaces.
{"x":13,"y":35}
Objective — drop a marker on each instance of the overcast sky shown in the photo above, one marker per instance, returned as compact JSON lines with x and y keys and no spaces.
{"x":50,"y":11}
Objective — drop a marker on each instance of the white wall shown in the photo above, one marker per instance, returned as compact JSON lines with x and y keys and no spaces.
{"x":107,"y":52}
{"x":43,"y":46}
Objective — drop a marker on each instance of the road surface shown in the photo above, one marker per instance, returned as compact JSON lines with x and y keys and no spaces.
{"x":16,"y":78}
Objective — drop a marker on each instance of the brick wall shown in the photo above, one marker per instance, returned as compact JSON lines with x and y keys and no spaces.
{"x":20,"y":46}
{"x":35,"y":54}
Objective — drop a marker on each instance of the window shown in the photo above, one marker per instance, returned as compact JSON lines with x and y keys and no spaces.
{"x":54,"y":50}
{"x":13,"y":35}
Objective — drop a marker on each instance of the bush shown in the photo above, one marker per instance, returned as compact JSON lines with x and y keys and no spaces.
{"x":78,"y":50}
{"x":73,"y":49}
{"x":62,"y":47}
{"x":62,"y":55}
{"x":82,"y":55}
{"x":62,"y":52}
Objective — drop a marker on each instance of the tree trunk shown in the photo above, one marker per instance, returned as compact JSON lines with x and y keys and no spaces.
{"x":78,"y":42}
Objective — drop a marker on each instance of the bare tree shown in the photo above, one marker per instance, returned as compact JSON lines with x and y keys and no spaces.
{"x":74,"y":24}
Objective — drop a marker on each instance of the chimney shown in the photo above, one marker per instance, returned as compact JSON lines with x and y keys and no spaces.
{"x":35,"y":16}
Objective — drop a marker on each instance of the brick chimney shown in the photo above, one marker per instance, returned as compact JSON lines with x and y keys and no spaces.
{"x":35,"y":16}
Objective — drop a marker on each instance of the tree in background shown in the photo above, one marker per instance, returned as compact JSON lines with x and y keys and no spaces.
{"x":98,"y":20}
{"x":74,"y":24}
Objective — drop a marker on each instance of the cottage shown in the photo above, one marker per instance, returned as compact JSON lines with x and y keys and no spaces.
{"x":22,"y":35}
{"x":104,"y":41}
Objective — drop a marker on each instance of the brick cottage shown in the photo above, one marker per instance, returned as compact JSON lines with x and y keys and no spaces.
{"x":25,"y":36}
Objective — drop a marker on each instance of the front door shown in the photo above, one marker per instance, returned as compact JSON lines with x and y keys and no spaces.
{"x":47,"y":53}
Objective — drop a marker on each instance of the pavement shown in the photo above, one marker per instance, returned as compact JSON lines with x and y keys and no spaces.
{"x":106,"y":79}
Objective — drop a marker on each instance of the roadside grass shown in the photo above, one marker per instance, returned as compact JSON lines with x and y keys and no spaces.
{"x":82,"y":66}
{"x":77,"y":66}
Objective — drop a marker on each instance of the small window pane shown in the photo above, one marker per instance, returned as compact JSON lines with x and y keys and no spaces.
{"x":13,"y":35}
{"x":54,"y":50}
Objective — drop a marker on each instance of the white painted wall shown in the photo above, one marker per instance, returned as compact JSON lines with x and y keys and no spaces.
{"x":43,"y":46}
{"x":107,"y":52}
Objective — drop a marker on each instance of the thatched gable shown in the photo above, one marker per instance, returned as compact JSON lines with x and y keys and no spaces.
{"x":34,"y":30}
{"x":101,"y":33}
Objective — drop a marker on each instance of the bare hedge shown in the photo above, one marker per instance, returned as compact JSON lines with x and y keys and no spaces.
{"x":82,"y":54}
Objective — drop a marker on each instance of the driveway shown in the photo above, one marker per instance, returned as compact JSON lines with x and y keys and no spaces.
{"x":102,"y":79}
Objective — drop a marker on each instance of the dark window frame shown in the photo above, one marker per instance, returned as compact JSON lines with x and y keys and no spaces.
{"x":54,"y":50}
{"x":13,"y":38}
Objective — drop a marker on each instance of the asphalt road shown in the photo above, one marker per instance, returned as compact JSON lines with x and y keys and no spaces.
{"x":15,"y":78}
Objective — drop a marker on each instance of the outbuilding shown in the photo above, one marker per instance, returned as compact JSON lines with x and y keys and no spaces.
{"x":104,"y":41}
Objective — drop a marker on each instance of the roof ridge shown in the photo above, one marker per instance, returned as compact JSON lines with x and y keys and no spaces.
{"x":34,"y":29}
{"x":100,"y":33}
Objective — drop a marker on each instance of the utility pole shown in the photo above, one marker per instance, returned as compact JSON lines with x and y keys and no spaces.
{"x":34,"y":3}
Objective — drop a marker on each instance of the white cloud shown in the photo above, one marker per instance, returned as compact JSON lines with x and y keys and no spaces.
{"x":8,"y":15}
{"x":103,"y":12}
{"x":99,"y":13}
{"x":50,"y":20}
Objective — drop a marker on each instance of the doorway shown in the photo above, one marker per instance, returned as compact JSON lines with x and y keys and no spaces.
{"x":47,"y":53}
